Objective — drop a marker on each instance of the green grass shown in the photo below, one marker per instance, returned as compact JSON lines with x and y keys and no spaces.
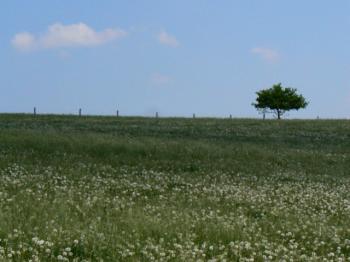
{"x":173,"y":189}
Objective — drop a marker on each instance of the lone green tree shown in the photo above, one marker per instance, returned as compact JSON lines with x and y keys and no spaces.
{"x":278,"y":100}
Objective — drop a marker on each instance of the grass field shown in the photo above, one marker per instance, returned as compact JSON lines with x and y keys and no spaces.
{"x":138,"y":189}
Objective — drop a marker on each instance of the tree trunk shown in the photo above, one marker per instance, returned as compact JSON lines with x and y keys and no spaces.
{"x":278,"y":114}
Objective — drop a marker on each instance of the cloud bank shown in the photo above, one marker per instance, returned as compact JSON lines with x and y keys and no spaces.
{"x":59,"y":35}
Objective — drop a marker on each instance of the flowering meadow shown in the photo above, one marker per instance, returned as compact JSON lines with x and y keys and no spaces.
{"x":172,"y":189}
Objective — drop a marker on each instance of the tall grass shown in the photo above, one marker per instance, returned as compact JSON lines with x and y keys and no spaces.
{"x":172,"y":189}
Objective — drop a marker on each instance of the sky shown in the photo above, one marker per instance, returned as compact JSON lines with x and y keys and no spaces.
{"x":173,"y":57}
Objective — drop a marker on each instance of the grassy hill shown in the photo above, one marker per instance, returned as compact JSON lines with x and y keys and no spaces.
{"x":173,"y":189}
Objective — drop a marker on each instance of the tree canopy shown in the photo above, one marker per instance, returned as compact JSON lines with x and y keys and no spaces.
{"x":278,"y":100}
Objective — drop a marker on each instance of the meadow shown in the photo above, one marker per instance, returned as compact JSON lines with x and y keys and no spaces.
{"x":172,"y":189}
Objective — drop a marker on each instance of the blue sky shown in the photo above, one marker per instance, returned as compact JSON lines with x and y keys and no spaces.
{"x":175,"y":57}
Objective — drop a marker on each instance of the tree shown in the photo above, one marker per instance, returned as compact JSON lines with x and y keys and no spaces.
{"x":278,"y":100}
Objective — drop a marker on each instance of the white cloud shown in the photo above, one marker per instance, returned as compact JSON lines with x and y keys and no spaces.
{"x":59,"y":35}
{"x":269,"y":55}
{"x":24,"y":41}
{"x":166,"y":39}
{"x":160,"y":79}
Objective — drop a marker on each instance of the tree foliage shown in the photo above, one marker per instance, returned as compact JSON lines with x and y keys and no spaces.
{"x":278,"y":100}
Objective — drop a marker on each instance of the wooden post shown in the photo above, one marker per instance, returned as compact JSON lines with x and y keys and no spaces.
{"x":34,"y":111}
{"x":79,"y":111}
